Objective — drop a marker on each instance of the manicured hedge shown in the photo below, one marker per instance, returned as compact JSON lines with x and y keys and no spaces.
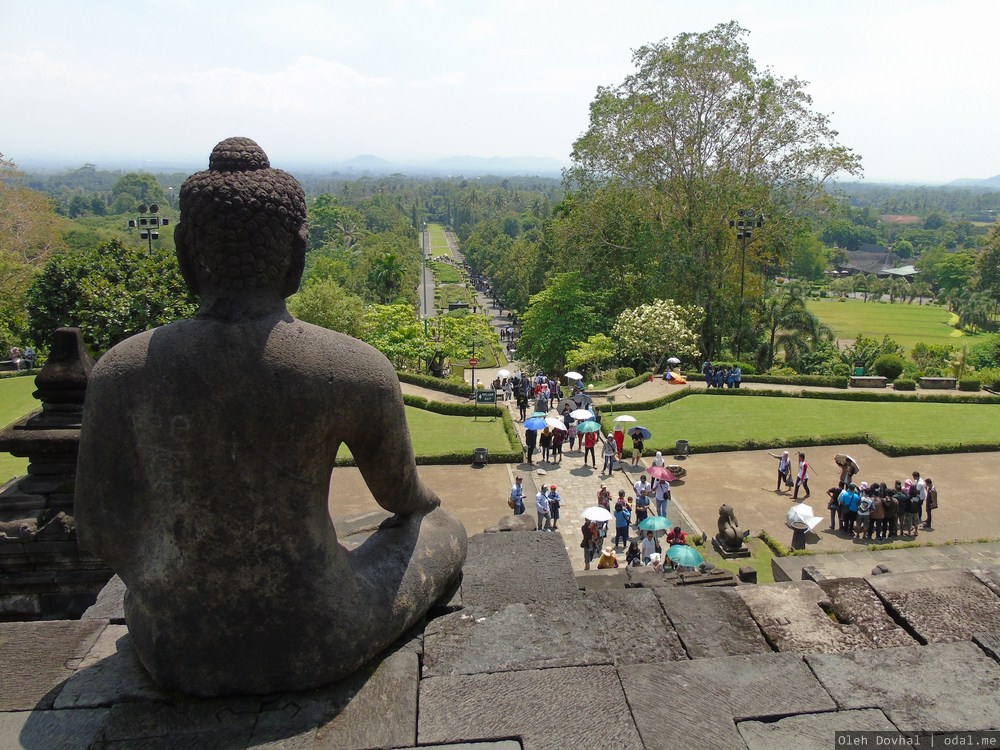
{"x":18,"y":373}
{"x":454,"y":410}
{"x":454,"y":387}
{"x":824,"y":381}
{"x":638,"y":380}
{"x":968,"y":384}
{"x":904,"y":384}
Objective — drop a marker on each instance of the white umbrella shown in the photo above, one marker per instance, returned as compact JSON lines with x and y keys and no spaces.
{"x":582,"y":414}
{"x":801,"y":517}
{"x":673,"y":361}
{"x":555,"y":423}
{"x":574,"y":375}
{"x":503,"y":373}
{"x":625,"y":418}
{"x":597,"y":513}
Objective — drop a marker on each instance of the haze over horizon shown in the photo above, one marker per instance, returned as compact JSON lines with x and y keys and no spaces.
{"x":909,"y":85}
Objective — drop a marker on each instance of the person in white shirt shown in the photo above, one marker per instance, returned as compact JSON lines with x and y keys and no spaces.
{"x":542,"y":507}
{"x":642,"y":484}
{"x":517,"y":496}
{"x":647,"y":547}
{"x":662,"y":496}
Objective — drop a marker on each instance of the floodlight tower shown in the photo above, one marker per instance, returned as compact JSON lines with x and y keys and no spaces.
{"x":748,"y":220}
{"x":148,"y":225}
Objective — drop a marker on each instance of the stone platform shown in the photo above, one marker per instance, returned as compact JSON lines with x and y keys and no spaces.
{"x":523,"y":657}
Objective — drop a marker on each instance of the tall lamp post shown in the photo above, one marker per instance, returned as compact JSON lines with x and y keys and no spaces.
{"x":423,"y":259}
{"x":748,"y":220}
{"x":148,"y":226}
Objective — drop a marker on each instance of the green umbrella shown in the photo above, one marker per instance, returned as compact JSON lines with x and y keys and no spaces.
{"x":539,"y":413}
{"x":655,"y":523}
{"x":685,"y":556}
{"x":589,"y":426}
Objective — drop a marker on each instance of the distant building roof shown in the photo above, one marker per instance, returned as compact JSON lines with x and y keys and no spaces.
{"x":870,"y":259}
{"x":901,"y":271}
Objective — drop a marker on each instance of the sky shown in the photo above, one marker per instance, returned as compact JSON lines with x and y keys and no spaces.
{"x":912,"y":86}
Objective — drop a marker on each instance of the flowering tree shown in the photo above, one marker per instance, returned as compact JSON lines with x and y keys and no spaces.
{"x":659,"y":330}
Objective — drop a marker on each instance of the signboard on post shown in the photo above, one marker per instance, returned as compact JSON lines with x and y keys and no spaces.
{"x":485,"y":396}
{"x":473,"y":362}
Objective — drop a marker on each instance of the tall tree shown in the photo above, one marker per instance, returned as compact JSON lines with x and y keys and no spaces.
{"x":700,"y":132}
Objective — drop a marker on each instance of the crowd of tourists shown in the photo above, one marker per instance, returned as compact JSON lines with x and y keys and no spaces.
{"x":877,"y":512}
{"x":721,"y":376}
{"x":22,"y":360}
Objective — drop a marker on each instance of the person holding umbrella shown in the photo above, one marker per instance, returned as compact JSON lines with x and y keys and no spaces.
{"x":637,"y":444}
{"x":589,"y":543}
{"x":530,"y":439}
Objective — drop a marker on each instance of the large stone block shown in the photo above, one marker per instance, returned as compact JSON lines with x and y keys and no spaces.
{"x":811,"y":731}
{"x":110,"y":673}
{"x":940,"y":687}
{"x":796,"y":617}
{"x":635,"y":628}
{"x":110,"y":604}
{"x":855,"y":603}
{"x":517,"y":567}
{"x":37,"y":657}
{"x":50,"y":730}
{"x":547,"y":709}
{"x":940,"y":606}
{"x":696,"y":704}
{"x":712,"y":622}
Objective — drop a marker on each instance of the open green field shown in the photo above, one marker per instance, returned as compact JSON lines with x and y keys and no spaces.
{"x":439,"y":245}
{"x":908,"y":325}
{"x":15,"y":402}
{"x":432,"y":434}
{"x":446,"y":274}
{"x":703,"y":419}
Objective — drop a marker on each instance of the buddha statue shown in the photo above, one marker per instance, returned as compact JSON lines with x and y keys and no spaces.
{"x":206,"y":457}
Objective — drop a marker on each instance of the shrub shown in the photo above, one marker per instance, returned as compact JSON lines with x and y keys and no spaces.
{"x":888,"y":366}
{"x":453,"y":386}
{"x":638,"y":380}
{"x":904,"y":384}
{"x":624,"y":373}
{"x":968,"y":384}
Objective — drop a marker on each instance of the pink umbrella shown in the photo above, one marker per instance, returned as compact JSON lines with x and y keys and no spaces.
{"x":660,"y":472}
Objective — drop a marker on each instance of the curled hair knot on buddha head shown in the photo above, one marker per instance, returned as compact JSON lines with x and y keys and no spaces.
{"x":243,"y":224}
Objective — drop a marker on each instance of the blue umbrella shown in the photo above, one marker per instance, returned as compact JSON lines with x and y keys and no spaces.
{"x":646,"y":434}
{"x":655,"y":523}
{"x":685,"y":556}
{"x":535,"y":423}
{"x":589,"y":426}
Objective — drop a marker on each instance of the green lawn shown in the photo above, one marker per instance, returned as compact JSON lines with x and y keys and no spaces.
{"x":703,"y":419}
{"x":906,"y":324}
{"x":15,"y":402}
{"x":446,"y":274}
{"x":439,"y":245}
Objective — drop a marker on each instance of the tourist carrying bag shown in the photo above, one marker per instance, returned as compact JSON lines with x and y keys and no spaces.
{"x":511,"y":503}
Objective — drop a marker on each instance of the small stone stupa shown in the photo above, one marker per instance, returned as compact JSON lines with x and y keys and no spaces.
{"x":206,"y":457}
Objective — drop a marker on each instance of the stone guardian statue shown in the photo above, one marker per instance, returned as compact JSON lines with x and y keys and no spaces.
{"x":206,"y":457}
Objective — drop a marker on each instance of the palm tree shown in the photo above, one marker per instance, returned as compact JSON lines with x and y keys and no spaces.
{"x":386,"y":277}
{"x":789,"y":327}
{"x":974,"y":311}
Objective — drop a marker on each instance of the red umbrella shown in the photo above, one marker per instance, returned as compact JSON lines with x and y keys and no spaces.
{"x":660,"y":472}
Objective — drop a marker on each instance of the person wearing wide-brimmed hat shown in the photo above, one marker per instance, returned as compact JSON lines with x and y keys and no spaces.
{"x":608,"y":559}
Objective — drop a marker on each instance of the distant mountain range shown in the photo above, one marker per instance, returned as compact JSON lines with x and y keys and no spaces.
{"x":467,"y":166}
{"x":990,"y":182}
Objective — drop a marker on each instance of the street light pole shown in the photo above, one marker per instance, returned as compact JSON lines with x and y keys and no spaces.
{"x":423,"y":258}
{"x":148,"y":225}
{"x":744,"y":225}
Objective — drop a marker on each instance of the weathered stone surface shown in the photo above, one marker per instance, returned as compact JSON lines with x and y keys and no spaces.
{"x":989,"y":576}
{"x":110,"y":604}
{"x":811,"y":731}
{"x":546,"y":708}
{"x":712,"y":622}
{"x":220,"y":724}
{"x":37,"y":657}
{"x":510,"y":568}
{"x":643,"y":576}
{"x":989,"y":642}
{"x":855,"y":603}
{"x":523,"y":522}
{"x":375,"y":707}
{"x":111,"y":672}
{"x":941,"y":606}
{"x":695,"y":704}
{"x":940,"y":687}
{"x":795,"y":617}
{"x":635,"y":627}
{"x":602,"y":580}
{"x":210,"y":494}
{"x":519,"y":636}
{"x":50,"y":730}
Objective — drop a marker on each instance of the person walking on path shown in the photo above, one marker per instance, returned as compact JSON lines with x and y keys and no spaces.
{"x":802,"y":478}
{"x":530,"y":439}
{"x":931,"y":504}
{"x":589,"y":443}
{"x":542,"y":508}
{"x":622,"y":519}
{"x":637,"y":446}
{"x":517,"y":496}
{"x":589,"y":543}
{"x":784,"y":470}
{"x":662,"y":496}
{"x":555,"y":500}
{"x":609,"y":454}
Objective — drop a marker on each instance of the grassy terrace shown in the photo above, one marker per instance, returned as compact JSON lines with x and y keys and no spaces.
{"x":15,"y":402}
{"x":906,"y":324}
{"x":704,"y":419}
{"x":439,"y":245}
